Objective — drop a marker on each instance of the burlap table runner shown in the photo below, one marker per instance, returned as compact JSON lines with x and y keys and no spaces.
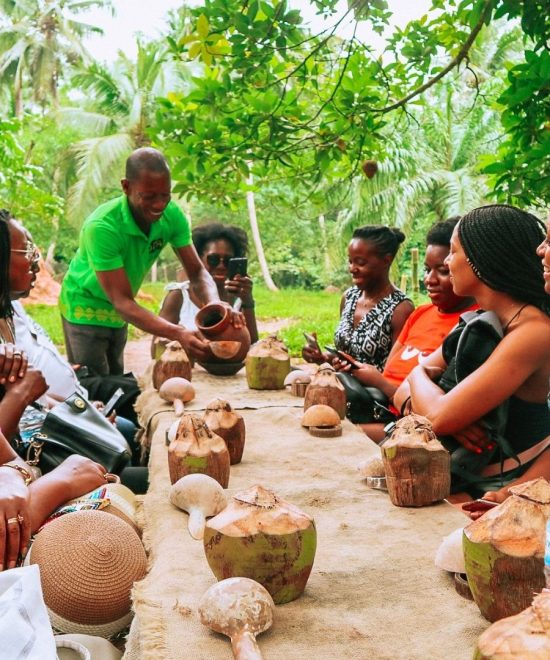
{"x":374,"y":591}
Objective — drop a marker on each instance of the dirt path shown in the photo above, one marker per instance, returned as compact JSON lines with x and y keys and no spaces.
{"x":137,"y":353}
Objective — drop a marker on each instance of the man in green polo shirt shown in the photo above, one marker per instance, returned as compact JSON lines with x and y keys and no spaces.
{"x":119,"y":242}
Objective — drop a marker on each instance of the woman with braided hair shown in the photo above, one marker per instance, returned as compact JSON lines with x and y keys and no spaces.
{"x":494,"y":258}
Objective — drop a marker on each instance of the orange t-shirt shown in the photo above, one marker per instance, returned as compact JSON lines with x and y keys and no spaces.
{"x":423,"y":332}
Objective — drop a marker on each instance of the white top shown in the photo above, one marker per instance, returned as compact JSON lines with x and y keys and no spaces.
{"x":188,"y":309}
{"x":43,"y":355}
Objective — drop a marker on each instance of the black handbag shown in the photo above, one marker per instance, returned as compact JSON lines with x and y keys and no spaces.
{"x":465,"y":349}
{"x":364,"y":405}
{"x":75,"y":426}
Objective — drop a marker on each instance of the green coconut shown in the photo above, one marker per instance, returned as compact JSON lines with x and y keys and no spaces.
{"x":525,"y":635}
{"x":267,"y":364}
{"x":196,"y":449}
{"x":262,"y":537}
{"x":504,"y":551}
{"x":417,"y":466}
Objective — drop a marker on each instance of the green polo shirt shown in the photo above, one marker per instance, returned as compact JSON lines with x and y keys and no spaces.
{"x":111,"y":239}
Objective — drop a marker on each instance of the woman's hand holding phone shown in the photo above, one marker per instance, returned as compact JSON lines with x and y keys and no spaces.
{"x":311,"y":352}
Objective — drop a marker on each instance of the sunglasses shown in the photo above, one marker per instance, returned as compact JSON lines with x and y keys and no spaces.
{"x":214,"y":260}
{"x":31,"y":252}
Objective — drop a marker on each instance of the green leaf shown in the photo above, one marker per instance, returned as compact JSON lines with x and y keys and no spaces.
{"x":203,"y":26}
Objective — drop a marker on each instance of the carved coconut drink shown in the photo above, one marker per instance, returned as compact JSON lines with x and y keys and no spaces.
{"x":229,"y":425}
{"x":326,"y":389}
{"x":173,"y":362}
{"x":504,"y":551}
{"x":418,"y":467}
{"x":267,"y":364}
{"x":195,"y":448}
{"x":525,"y":635}
{"x":262,"y":537}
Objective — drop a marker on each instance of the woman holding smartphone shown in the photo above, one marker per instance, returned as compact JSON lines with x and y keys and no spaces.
{"x":216,"y":245}
{"x":373,"y":310}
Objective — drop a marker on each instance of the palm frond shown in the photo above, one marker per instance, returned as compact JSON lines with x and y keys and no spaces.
{"x":97,"y":158}
{"x":92,"y":123}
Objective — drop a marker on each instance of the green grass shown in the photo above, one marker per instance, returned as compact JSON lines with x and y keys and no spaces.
{"x":309,"y":310}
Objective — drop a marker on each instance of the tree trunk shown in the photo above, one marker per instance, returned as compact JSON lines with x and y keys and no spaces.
{"x":257,"y":238}
{"x":324,"y":241}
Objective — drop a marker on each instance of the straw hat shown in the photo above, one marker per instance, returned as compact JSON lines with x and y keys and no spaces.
{"x":88,"y":565}
{"x":123,"y":504}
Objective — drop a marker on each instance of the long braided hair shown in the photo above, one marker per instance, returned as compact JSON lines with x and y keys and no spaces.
{"x":500,"y":244}
{"x":6,"y":310}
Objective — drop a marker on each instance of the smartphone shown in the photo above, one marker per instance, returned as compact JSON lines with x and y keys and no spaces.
{"x":331,"y":350}
{"x":111,"y":404}
{"x":479,"y":505}
{"x":348,"y":358}
{"x":237,"y":266}
{"x":311,"y":341}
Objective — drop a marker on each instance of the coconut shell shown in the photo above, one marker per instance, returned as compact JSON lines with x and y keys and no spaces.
{"x":229,"y":425}
{"x":418,"y":467}
{"x":325,"y":388}
{"x":525,"y":635}
{"x":262,"y":537}
{"x":197,"y":449}
{"x":321,"y":415}
{"x":504,"y":551}
{"x":267,"y":364}
{"x":172,"y":362}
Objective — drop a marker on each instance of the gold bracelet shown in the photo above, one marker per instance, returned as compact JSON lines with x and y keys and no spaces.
{"x":27,"y":476}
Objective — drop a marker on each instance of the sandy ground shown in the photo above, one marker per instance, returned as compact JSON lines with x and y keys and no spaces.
{"x":137,"y":354}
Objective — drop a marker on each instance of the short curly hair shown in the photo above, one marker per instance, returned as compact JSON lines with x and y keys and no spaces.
{"x":440,"y":232}
{"x":216,"y":231}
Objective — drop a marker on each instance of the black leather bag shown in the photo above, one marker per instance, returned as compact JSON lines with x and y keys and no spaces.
{"x":364,"y":405}
{"x":75,"y":426}
{"x":465,"y":349}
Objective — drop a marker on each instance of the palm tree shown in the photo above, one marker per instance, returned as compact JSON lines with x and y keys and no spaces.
{"x":39,"y":39}
{"x":432,"y":159}
{"x":120,"y":107}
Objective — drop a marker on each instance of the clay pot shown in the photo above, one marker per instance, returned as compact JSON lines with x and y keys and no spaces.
{"x":228,"y":344}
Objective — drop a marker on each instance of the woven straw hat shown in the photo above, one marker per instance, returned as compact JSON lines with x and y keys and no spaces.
{"x":88,"y":565}
{"x":123,"y":504}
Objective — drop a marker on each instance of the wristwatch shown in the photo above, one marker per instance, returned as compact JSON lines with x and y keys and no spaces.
{"x":27,"y":476}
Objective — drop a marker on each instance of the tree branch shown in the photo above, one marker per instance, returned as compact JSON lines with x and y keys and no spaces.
{"x":452,"y":64}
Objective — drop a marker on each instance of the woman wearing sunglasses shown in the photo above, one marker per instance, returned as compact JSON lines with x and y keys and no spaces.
{"x":216,"y":244}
